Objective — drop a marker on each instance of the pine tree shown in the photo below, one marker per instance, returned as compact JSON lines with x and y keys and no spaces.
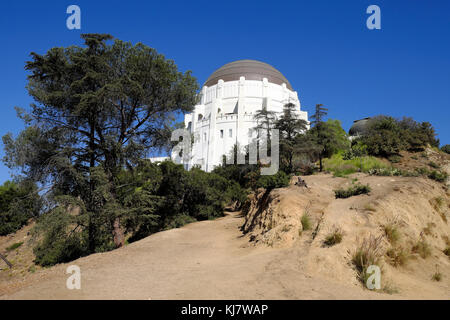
{"x":98,"y":108}
{"x":289,"y":126}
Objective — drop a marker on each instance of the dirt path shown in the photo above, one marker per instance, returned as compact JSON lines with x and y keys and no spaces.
{"x":204,"y":260}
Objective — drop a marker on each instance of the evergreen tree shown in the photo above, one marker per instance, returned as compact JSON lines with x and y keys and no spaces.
{"x":265,"y":121}
{"x":328,"y":137}
{"x":98,"y":108}
{"x":289,"y":126}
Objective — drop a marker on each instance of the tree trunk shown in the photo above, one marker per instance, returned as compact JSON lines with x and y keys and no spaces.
{"x":119,"y":237}
{"x":320,"y":164}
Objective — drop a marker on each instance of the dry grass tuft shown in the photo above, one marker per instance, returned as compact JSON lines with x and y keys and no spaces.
{"x":422,"y":248}
{"x":391,"y":232}
{"x":368,"y":253}
{"x":397,"y":256}
{"x":334,"y":237}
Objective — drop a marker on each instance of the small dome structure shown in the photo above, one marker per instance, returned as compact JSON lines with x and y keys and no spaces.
{"x":359,"y":127}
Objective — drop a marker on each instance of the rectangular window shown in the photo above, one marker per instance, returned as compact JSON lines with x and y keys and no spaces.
{"x":204,"y":136}
{"x":250,"y":133}
{"x":221,"y":133}
{"x":230,"y":133}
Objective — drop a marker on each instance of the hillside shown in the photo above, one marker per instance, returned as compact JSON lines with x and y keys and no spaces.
{"x":274,"y":258}
{"x":417,"y":208}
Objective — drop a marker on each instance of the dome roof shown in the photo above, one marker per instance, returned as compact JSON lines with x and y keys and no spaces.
{"x":359,"y":127}
{"x":250,"y":69}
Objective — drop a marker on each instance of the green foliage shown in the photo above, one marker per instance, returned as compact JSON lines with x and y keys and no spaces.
{"x":439,"y":176}
{"x":100,"y":108}
{"x":289,"y":126}
{"x":60,"y":238}
{"x":330,"y":138}
{"x":18,"y":203}
{"x":334,"y":237}
{"x":354,"y":190}
{"x":14,"y":246}
{"x":433,"y":165}
{"x":340,"y":167}
{"x":446,"y":148}
{"x":386,"y":136}
{"x":148,"y":198}
{"x":306,"y":222}
{"x":269,"y":182}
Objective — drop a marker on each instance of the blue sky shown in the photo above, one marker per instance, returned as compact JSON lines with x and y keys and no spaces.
{"x":323,"y":47}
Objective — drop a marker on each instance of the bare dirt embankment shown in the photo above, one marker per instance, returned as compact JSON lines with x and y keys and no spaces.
{"x":417,"y":208}
{"x":267,"y":254}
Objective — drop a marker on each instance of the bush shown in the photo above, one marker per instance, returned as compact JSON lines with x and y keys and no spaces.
{"x":59,"y":244}
{"x":334,"y":237}
{"x":269,"y":182}
{"x":395,"y":158}
{"x":446,"y":148}
{"x":433,"y":165}
{"x":354,"y":190}
{"x":14,"y":246}
{"x":18,"y":203}
{"x":438,"y":176}
{"x":340,"y":167}
{"x":306,"y":222}
{"x":386,"y":136}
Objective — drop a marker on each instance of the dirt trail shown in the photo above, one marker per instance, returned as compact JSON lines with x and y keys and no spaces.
{"x":203,"y":260}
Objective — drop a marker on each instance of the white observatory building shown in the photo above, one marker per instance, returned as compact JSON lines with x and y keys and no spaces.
{"x":225,"y":115}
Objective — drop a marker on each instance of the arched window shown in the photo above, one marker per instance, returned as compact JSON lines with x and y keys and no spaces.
{"x":200,"y":116}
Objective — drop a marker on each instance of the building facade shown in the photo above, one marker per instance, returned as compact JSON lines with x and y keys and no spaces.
{"x":225,"y":115}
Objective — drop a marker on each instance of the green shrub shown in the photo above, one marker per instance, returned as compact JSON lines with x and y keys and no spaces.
{"x":438,"y":176}
{"x":433,"y":165}
{"x":334,"y":237}
{"x":395,"y":158}
{"x":18,"y":203}
{"x":386,"y":136}
{"x":269,"y":182}
{"x":306,"y":222}
{"x":340,"y":167}
{"x":354,"y":190}
{"x":446,"y":148}
{"x":178,"y":221}
{"x":14,"y":246}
